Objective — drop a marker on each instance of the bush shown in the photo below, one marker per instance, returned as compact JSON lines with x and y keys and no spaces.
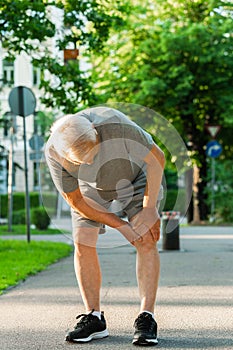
{"x":40,"y":218}
{"x":169,"y":201}
{"x":223,"y":191}
{"x":3,"y":206}
{"x":19,"y":217}
{"x":50,"y":200}
{"x":224,"y":213}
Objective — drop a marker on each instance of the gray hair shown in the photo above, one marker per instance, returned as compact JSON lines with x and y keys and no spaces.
{"x":72,"y":135}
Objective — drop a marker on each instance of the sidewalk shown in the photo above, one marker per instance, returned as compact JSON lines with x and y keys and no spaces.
{"x":194,"y":308}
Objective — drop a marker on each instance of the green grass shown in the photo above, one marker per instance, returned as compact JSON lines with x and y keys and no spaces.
{"x":21,"y":229}
{"x":19,"y":259}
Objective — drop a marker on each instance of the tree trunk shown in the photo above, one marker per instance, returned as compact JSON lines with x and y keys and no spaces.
{"x":196,"y":214}
{"x":189,"y":195}
{"x":202,"y":195}
{"x":200,"y":207}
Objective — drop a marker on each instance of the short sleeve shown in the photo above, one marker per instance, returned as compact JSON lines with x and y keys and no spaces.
{"x":65,"y":180}
{"x":138,"y":142}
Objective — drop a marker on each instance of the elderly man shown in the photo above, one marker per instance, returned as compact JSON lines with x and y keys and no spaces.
{"x":96,"y":156}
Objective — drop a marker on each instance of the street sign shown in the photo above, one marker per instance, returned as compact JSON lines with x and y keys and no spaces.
{"x":36,"y":142}
{"x":213,"y":129}
{"x":36,"y":156}
{"x":213,"y":149}
{"x":22,"y":101}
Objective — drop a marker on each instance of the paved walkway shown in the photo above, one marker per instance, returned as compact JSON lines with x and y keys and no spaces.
{"x":194,"y":308}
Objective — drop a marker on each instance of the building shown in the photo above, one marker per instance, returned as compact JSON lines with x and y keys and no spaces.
{"x":21,"y":72}
{"x":17,"y":73}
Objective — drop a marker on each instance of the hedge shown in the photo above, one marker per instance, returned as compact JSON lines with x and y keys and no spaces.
{"x":19,"y":202}
{"x":50,"y":201}
{"x":40,"y":218}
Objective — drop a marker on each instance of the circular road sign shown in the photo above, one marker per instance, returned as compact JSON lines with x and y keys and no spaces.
{"x":22,"y":101}
{"x":213,"y":149}
{"x":36,"y":142}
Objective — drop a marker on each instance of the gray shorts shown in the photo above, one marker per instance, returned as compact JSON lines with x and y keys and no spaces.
{"x":127,"y":201}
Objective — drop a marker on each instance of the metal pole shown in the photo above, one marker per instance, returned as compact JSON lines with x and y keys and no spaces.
{"x":26,"y":181}
{"x":212,"y":189}
{"x":22,"y":113}
{"x":38,"y":168}
{"x":38,"y":181}
{"x":10,"y":180}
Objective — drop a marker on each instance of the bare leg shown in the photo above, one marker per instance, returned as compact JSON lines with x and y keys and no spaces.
{"x":87,"y":267}
{"x":147,"y":268}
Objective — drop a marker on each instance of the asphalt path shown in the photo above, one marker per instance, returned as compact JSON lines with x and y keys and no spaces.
{"x":194,"y":304}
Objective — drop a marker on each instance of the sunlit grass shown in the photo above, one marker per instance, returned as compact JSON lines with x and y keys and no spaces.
{"x":19,"y":259}
{"x":21,"y":230}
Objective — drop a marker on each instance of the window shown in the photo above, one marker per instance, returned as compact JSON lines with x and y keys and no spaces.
{"x":36,"y":73}
{"x":8,"y":72}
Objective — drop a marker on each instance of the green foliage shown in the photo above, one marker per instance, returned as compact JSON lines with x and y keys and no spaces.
{"x":43,"y":122}
{"x":171,"y":178}
{"x":168,"y":204}
{"x":177,"y":60}
{"x":38,"y":215}
{"x":223,"y":191}
{"x":21,"y":21}
{"x":86,"y":25}
{"x":73,"y":88}
{"x":19,"y":203}
{"x":40,"y":218}
{"x":19,"y":217}
{"x":175,"y":57}
{"x":22,"y":229}
{"x":20,"y":259}
{"x":91,"y":28}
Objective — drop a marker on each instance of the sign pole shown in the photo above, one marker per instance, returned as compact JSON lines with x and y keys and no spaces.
{"x":212,"y":189}
{"x":213,"y":150}
{"x":10,"y":179}
{"x":36,"y":142}
{"x":26,"y":181}
{"x":22,"y":113}
{"x":23,"y":102}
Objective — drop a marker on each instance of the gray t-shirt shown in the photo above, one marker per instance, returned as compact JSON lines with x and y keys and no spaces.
{"x":123,"y":146}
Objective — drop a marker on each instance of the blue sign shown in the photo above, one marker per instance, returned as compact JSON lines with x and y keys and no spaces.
{"x":213,"y":149}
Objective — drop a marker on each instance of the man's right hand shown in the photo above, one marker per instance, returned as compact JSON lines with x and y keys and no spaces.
{"x":127,"y":231}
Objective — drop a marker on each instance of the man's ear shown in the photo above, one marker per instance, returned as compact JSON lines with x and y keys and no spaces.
{"x":93,"y":127}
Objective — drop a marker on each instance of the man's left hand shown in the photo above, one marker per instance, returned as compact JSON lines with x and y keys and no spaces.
{"x":147,"y":220}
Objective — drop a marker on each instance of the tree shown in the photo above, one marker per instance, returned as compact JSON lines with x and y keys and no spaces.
{"x":24,"y":24}
{"x":222,"y":196}
{"x":177,"y":59}
{"x":172,"y":56}
{"x":86,"y":28}
{"x":83,"y":26}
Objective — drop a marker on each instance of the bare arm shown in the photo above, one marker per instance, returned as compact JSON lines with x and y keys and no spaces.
{"x":148,"y":218}
{"x":92,"y":210}
{"x":155,"y":165}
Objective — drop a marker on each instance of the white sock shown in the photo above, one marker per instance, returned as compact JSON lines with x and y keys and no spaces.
{"x":148,"y":312}
{"x":96,"y":313}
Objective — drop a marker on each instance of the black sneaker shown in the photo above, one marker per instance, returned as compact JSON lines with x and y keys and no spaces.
{"x":145,"y":330}
{"x":88,"y":327}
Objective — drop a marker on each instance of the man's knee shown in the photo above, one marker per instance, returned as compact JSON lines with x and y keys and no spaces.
{"x":147,"y":242}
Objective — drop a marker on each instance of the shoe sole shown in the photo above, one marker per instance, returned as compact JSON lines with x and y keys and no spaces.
{"x":145,"y":342}
{"x":97,"y":335}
